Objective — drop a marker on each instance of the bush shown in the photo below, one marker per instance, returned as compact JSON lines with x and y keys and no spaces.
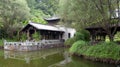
{"x":17,"y":36}
{"x":36,"y":36}
{"x":69,"y":42}
{"x":101,"y":50}
{"x":23,"y":37}
{"x":81,"y":35}
{"x":3,"y":34}
{"x":104,"y":50}
{"x":78,"y":45}
{"x":86,"y":35}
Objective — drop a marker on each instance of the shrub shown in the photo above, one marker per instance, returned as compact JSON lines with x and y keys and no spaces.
{"x":17,"y":36}
{"x":69,"y":42}
{"x":36,"y":36}
{"x":102,"y":50}
{"x":23,"y":37}
{"x":81,"y":35}
{"x":78,"y":45}
{"x":86,"y":35}
{"x":3,"y":34}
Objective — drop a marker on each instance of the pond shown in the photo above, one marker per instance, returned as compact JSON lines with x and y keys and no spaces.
{"x":57,"y":57}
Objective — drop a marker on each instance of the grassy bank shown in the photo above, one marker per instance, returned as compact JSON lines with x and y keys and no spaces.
{"x":105,"y":51}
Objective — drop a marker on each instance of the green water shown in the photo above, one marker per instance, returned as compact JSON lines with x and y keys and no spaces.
{"x":46,"y":58}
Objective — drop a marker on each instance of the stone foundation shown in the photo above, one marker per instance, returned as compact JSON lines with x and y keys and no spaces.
{"x":32,"y":46}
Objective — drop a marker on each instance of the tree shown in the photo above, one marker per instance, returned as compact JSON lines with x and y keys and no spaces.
{"x":46,"y":7}
{"x":41,"y":9}
{"x":82,"y":13}
{"x":11,"y":12}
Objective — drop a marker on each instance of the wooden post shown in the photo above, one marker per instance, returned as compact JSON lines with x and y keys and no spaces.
{"x":28,"y":34}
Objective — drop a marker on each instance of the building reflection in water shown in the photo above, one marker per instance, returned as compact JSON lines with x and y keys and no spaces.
{"x":28,"y":56}
{"x":67,"y":59}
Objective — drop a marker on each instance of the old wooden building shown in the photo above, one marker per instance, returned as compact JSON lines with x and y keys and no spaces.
{"x":51,"y":31}
{"x":98,"y":33}
{"x":51,"y":35}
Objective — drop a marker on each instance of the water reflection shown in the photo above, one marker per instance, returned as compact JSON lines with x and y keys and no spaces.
{"x":67,"y":59}
{"x":28,"y":56}
{"x":46,"y":58}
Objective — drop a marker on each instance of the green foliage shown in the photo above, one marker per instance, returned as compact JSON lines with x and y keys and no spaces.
{"x":80,"y":35}
{"x":38,"y":20}
{"x":36,"y":36}
{"x":42,"y":8}
{"x":45,"y":7}
{"x":37,"y":16}
{"x":117,"y":36}
{"x":86,"y":35}
{"x":87,"y":13}
{"x":3,"y":34}
{"x":35,"y":20}
{"x":49,"y":7}
{"x":12,"y":12}
{"x":77,"y":45}
{"x":17,"y":36}
{"x":23,"y":37}
{"x":105,"y":50}
{"x":69,"y":41}
{"x":1,"y":42}
{"x":101,"y":50}
{"x":13,"y":30}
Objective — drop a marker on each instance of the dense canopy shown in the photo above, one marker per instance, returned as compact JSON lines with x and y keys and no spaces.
{"x":15,"y":13}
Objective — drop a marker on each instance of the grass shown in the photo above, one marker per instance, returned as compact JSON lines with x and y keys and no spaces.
{"x":106,"y":50}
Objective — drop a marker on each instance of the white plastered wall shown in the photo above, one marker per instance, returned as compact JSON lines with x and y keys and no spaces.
{"x":67,"y":31}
